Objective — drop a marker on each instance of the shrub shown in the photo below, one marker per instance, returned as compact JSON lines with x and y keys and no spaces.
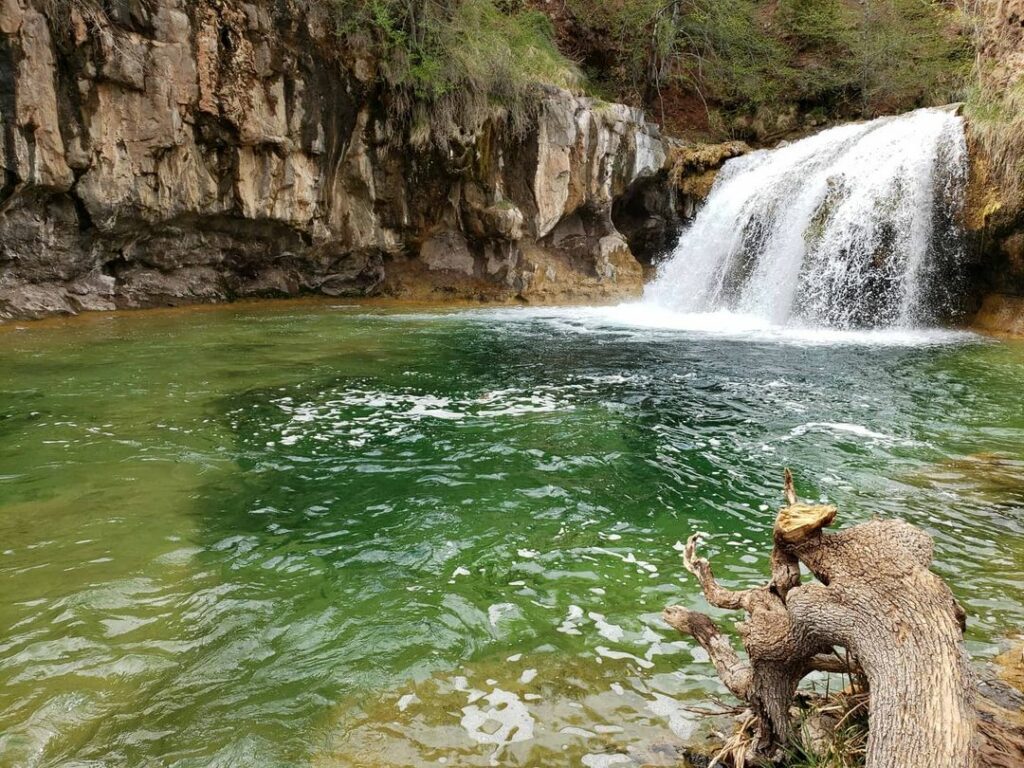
{"x":861,"y":57}
{"x":713,"y":46}
{"x":909,"y":53}
{"x":995,"y":100}
{"x":448,"y":66}
{"x":997,"y":124}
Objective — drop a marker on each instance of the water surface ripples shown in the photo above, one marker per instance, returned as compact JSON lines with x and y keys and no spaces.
{"x":339,"y":536}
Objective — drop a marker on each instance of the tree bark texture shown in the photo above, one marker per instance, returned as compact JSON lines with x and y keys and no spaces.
{"x":898,"y":626}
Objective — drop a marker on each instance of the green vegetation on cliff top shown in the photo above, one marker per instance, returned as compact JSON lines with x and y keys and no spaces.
{"x":741,"y":57}
{"x":450,"y":63}
{"x":995,"y":105}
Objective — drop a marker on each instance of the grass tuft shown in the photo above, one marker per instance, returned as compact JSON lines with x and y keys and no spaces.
{"x":995,"y":101}
{"x":449,"y":66}
{"x":832,"y":733}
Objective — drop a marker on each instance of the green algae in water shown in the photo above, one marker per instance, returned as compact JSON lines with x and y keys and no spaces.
{"x":345,"y":536}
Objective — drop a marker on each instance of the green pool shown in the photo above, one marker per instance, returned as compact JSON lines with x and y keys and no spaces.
{"x":321,"y":535}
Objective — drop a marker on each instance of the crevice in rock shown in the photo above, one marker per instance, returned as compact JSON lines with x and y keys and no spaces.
{"x":647,"y":217}
{"x":8,"y":114}
{"x":85,"y":223}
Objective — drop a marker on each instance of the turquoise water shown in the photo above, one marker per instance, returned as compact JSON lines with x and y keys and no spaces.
{"x":304,"y":534}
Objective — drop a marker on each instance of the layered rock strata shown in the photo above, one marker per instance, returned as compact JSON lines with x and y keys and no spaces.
{"x":163,"y":152}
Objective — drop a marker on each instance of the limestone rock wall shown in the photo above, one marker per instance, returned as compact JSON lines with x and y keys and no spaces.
{"x":173,"y":151}
{"x":995,"y":203}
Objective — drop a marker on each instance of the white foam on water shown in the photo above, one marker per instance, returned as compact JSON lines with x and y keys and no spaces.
{"x":680,"y":722}
{"x":608,"y":653}
{"x":499,"y":611}
{"x":642,"y":566}
{"x":642,"y":321}
{"x":855,"y":226}
{"x":356,"y":417}
{"x":570,"y":626}
{"x":505,"y":721}
{"x":857,"y":430}
{"x":608,"y":631}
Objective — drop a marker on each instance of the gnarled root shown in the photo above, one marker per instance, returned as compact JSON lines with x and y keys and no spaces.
{"x":897,"y":623}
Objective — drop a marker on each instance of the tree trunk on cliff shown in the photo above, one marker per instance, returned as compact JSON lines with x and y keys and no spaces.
{"x":898,"y":623}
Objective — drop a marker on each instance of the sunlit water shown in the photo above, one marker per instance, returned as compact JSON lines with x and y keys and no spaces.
{"x":335,"y":536}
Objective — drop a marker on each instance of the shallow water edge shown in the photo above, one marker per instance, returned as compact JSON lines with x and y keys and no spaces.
{"x":1002,"y":322}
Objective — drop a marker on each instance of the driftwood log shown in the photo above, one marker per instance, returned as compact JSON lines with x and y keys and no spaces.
{"x":875,"y":611}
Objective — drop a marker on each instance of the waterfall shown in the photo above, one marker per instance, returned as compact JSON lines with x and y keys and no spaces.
{"x":857,"y":226}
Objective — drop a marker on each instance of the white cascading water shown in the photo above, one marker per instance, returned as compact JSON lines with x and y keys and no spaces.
{"x":857,"y":226}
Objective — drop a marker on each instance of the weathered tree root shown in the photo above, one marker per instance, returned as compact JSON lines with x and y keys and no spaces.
{"x":898,"y":625}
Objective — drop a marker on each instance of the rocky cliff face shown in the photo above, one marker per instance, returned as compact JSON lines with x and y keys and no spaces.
{"x":172,"y":151}
{"x":995,"y":204}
